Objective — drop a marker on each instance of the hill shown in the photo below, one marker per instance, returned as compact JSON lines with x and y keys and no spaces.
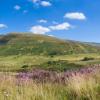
{"x":29,"y":44}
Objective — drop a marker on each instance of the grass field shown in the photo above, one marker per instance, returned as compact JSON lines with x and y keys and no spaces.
{"x":11,"y":63}
{"x":82,"y":85}
{"x":79,"y":86}
{"x":60,"y":83}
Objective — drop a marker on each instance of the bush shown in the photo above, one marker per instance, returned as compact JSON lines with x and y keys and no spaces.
{"x":25,"y":66}
{"x":87,"y":59}
{"x":60,"y":65}
{"x":53,"y":53}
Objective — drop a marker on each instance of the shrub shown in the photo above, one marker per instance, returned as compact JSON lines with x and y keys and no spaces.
{"x":25,"y":66}
{"x":60,"y":65}
{"x":87,"y":59}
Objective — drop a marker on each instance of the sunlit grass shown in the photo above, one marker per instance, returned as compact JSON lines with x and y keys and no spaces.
{"x":16,"y":62}
{"x":78,"y":87}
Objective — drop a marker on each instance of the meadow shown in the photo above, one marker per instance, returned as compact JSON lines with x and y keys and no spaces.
{"x":18,"y":62}
{"x":82,"y":84}
{"x":65,"y":77}
{"x":39,"y":67}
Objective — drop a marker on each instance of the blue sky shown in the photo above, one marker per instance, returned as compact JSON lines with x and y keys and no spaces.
{"x":67,"y":19}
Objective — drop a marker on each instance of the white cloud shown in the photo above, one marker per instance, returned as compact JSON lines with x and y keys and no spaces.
{"x":62,"y":26}
{"x":39,"y":29}
{"x":42,"y":3}
{"x":45,"y":3}
{"x":42,"y":21}
{"x":3,"y":26}
{"x":17,"y":7}
{"x":75,"y":15}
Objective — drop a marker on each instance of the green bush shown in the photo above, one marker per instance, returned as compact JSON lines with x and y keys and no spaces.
{"x":25,"y":66}
{"x":87,"y":59}
{"x":60,"y":65}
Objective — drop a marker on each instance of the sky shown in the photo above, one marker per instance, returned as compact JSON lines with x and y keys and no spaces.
{"x":66,"y":19}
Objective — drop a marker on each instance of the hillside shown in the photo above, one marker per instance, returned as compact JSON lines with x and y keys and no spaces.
{"x":23,"y":44}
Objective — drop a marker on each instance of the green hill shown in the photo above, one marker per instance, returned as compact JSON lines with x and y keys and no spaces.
{"x":29,"y":44}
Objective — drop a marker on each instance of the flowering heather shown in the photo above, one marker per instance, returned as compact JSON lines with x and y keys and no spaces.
{"x":83,"y":84}
{"x":40,"y":75}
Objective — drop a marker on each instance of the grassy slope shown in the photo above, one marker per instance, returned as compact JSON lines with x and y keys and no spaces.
{"x":17,"y":50}
{"x":14,"y":44}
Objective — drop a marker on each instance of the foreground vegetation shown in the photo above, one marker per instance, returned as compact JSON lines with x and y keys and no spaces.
{"x":78,"y":86}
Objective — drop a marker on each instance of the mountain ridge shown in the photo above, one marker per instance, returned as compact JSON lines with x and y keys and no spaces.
{"x":19,"y":43}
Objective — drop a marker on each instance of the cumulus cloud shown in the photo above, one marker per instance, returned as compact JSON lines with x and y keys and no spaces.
{"x":75,"y":15}
{"x":42,"y":21}
{"x":62,"y":26}
{"x":17,"y":7}
{"x":3,"y":26}
{"x":39,"y":29}
{"x":42,"y":3}
{"x":45,"y":3}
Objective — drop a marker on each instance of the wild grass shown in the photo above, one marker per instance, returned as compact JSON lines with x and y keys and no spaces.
{"x":13,"y":63}
{"x":81,"y":85}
